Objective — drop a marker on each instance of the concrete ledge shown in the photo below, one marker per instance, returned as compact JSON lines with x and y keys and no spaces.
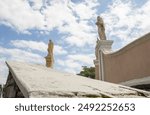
{"x":140,"y":81}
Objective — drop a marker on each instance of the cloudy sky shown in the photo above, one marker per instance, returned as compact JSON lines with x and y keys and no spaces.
{"x":27,"y":25}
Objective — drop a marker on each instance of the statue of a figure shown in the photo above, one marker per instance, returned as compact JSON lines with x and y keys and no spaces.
{"x":101,"y":28}
{"x":49,"y":57}
{"x":50,"y":47}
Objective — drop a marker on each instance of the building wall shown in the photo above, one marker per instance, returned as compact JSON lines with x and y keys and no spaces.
{"x":97,"y":72}
{"x":130,"y":62}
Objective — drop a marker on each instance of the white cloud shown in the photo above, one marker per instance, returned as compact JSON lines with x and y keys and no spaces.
{"x":69,"y":70}
{"x":87,"y":59}
{"x":34,"y":45}
{"x":74,"y":63}
{"x":59,"y":50}
{"x":77,"y":60}
{"x":123,"y":18}
{"x":86,"y":9}
{"x":66,"y":16}
{"x":21,"y":55}
{"x":68,"y":63}
{"x":36,"y":4}
{"x":19,"y":15}
{"x":37,"y":45}
{"x":125,"y":21}
{"x":58,"y":14}
{"x":80,"y":33}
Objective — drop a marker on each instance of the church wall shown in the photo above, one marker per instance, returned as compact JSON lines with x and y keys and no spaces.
{"x":131,"y":62}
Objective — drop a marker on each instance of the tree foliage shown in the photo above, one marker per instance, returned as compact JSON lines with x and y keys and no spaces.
{"x":88,"y":72}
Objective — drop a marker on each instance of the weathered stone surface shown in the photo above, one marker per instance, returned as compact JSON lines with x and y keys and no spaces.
{"x":39,"y":81}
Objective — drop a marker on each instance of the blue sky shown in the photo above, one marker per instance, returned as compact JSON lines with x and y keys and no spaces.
{"x":27,"y":25}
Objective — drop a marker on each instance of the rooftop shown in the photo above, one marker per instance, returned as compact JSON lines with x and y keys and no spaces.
{"x":39,"y":81}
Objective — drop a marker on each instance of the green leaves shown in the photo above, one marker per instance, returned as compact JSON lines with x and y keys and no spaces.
{"x":88,"y":72}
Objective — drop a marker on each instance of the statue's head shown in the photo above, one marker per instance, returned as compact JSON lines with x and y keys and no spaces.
{"x":50,"y":42}
{"x":99,"y":18}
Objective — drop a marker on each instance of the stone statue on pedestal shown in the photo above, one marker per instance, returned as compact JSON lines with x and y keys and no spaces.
{"x":101,"y":28}
{"x":50,"y":58}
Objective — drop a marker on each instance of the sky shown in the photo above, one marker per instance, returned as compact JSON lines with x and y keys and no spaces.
{"x":26,"y":26}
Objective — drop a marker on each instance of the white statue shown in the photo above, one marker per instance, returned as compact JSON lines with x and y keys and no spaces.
{"x":101,"y":28}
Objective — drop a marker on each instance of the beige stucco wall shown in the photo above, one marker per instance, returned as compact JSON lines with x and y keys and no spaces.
{"x":131,"y":62}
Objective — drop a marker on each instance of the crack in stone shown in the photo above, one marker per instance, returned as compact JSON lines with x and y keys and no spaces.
{"x":104,"y":95}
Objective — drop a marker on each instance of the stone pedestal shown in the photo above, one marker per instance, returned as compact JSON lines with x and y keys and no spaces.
{"x":49,"y":61}
{"x":105,"y":45}
{"x":102,"y":46}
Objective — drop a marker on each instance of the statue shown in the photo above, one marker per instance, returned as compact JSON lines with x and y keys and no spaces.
{"x":101,"y":28}
{"x":49,"y":58}
{"x":50,"y":47}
